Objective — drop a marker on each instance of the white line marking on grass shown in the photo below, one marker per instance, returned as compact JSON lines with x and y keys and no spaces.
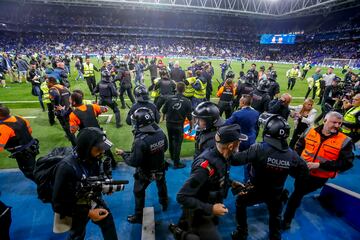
{"x":30,"y":117}
{"x":109,"y":119}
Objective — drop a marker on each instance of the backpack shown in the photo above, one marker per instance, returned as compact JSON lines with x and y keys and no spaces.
{"x":45,"y":169}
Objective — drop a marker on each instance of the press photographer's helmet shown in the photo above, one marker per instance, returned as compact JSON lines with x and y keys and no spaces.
{"x":142,"y":119}
{"x":263,"y":85}
{"x":141,"y":93}
{"x":249,"y":77}
{"x":272,"y":75}
{"x":276,"y":130}
{"x":209,"y":112}
{"x":230,"y":74}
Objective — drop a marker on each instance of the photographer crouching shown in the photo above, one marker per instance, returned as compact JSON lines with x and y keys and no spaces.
{"x":73,"y":196}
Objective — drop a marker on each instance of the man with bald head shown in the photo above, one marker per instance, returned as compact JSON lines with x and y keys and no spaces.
{"x":281,"y":106}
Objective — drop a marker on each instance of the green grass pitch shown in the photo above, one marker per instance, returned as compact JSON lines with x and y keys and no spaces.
{"x":53,"y":136}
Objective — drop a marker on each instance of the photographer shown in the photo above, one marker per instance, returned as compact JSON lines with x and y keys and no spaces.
{"x":86,"y":162}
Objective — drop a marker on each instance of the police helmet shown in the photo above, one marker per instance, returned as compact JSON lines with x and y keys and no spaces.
{"x":142,"y":119}
{"x":209,"y":112}
{"x":276,"y":130}
{"x":106,"y":73}
{"x":249,"y":77}
{"x":141,"y":93}
{"x":272,"y":75}
{"x":230,"y":74}
{"x":263,"y":85}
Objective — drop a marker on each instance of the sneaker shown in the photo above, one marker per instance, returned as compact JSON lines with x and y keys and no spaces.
{"x":179,"y":165}
{"x":134,"y":219}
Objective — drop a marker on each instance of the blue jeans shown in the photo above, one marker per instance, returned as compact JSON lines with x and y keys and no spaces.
{"x":38,"y":93}
{"x":80,"y":75}
{"x":139,"y":79}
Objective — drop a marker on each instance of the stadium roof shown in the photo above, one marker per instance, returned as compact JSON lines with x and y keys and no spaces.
{"x":260,"y":8}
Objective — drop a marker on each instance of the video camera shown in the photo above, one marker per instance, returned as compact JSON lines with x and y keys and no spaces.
{"x":92,"y":187}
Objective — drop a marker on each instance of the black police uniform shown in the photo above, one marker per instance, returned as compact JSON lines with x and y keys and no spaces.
{"x":176,"y":109}
{"x":107,"y":92}
{"x":124,"y":77}
{"x":260,"y":101}
{"x":178,"y":75}
{"x":60,"y":96}
{"x":65,"y":199}
{"x":209,"y":87}
{"x":274,"y":88}
{"x":226,"y":101}
{"x":207,"y":185}
{"x":5,"y":221}
{"x":146,"y":104}
{"x":253,"y":76}
{"x":270,"y":166}
{"x":242,"y":88}
{"x":166,"y":88}
{"x":203,"y":140}
{"x":153,"y":71}
{"x":277,"y":106}
{"x":147,"y":156}
{"x":23,"y":147}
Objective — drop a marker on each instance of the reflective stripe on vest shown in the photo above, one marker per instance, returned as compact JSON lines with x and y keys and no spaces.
{"x":44,"y":88}
{"x":328,"y":150}
{"x":189,"y":90}
{"x":155,"y":93}
{"x":349,"y":118}
{"x":201,"y":94}
{"x":88,"y":70}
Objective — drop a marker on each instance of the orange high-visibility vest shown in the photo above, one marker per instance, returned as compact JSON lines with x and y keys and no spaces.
{"x":328,"y":150}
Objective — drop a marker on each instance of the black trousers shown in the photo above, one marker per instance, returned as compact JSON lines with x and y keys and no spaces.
{"x":291,"y":83}
{"x":302,"y":187}
{"x":301,"y":127}
{"x":128,"y":92}
{"x":5,"y":221}
{"x":140,"y":185}
{"x":26,"y":160}
{"x":314,"y":88}
{"x":161,"y":101}
{"x":80,"y":220}
{"x":274,"y":205}
{"x":51,"y":114}
{"x":176,"y":136}
{"x":304,"y":73}
{"x":113,"y":105}
{"x":64,"y":122}
{"x":91,"y":82}
{"x":225,"y":107}
{"x":201,"y":227}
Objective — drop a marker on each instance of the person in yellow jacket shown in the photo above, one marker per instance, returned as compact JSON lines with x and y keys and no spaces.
{"x":46,"y":100}
{"x":199,"y":89}
{"x":155,"y":93}
{"x":189,"y":90}
{"x":327,"y":152}
{"x":306,"y":68}
{"x":89,"y":74}
{"x":351,"y":123}
{"x":292,"y":74}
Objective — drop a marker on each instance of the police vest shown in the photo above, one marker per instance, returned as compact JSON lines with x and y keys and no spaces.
{"x":87,"y":118}
{"x":64,"y":95}
{"x":155,"y":158}
{"x":89,"y":70}
{"x":306,"y":67}
{"x":201,"y":93}
{"x":218,"y":176}
{"x":350,"y":119}
{"x":22,"y":136}
{"x":228,"y":94}
{"x":189,"y":90}
{"x":44,"y":88}
{"x":156,"y":92}
{"x":328,"y":150}
{"x":104,"y":90}
{"x":293,"y":73}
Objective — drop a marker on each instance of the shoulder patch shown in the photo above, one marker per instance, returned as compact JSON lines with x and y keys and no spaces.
{"x":207,"y":166}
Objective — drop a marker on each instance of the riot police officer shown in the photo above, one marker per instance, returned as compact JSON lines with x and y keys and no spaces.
{"x":272,"y":161}
{"x":261,"y":97}
{"x":166,"y":87}
{"x":203,"y":193}
{"x":124,"y":77}
{"x":274,"y":88}
{"x":245,"y":87}
{"x":107,"y":91}
{"x":254,"y":74}
{"x":206,"y":121}
{"x":142,"y":100}
{"x":148,"y":157}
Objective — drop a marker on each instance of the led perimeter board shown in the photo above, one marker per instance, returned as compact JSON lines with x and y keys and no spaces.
{"x":277,"y":38}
